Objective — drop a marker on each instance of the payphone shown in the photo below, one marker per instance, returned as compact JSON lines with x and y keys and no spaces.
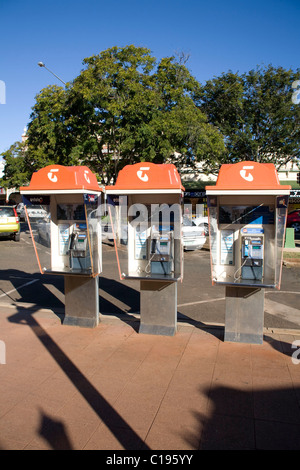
{"x":68,"y":198}
{"x":145,"y":208}
{"x":162,"y":252}
{"x":157,"y":248}
{"x":247,"y":216}
{"x":252,"y":255}
{"x":78,"y":247}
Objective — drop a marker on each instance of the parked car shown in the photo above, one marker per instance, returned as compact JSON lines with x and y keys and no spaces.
{"x":193,"y":236}
{"x":202,"y":222}
{"x":43,"y":230}
{"x":293,"y":220}
{"x":107,"y":233}
{"x":9,"y":222}
{"x":34,"y":213}
{"x":20,"y":209}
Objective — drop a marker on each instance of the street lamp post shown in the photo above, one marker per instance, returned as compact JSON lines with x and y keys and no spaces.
{"x":41,"y":64}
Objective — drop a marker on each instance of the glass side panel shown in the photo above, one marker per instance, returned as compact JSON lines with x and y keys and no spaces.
{"x":38,"y":219}
{"x":281,"y":216}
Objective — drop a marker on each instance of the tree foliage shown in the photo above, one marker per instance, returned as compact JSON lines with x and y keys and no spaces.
{"x":15,"y":173}
{"x":125,"y":107}
{"x":49,"y":137}
{"x":122,"y":108}
{"x":255,"y":114}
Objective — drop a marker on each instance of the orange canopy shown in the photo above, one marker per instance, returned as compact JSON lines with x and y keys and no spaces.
{"x":145,"y":177}
{"x":59,"y":179}
{"x":248,"y":177}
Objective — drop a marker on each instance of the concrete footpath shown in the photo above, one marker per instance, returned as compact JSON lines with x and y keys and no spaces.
{"x":111,"y":388}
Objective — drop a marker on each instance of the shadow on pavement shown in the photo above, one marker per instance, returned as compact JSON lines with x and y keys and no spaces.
{"x":121,"y":430}
{"x":54,"y":432}
{"x":261,"y":419}
{"x":42,"y":297}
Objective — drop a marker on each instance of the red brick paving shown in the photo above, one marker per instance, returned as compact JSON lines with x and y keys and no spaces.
{"x":112,"y":388}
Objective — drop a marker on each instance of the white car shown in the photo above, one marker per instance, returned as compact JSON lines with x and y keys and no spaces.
{"x":34,"y":213}
{"x":193,"y":236}
{"x":202,"y":222}
{"x":20,"y":209}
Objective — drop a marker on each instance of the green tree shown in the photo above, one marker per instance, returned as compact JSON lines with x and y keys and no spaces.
{"x":180,"y":126}
{"x":255,"y":114}
{"x":124,"y":108}
{"x":15,"y":173}
{"x":109,"y":103}
{"x":49,"y":137}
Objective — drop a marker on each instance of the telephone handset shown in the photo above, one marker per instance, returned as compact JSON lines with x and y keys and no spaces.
{"x":72,"y":241}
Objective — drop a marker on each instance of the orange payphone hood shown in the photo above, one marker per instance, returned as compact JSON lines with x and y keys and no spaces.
{"x":145,"y":176}
{"x":58,"y":178}
{"x":248,"y":177}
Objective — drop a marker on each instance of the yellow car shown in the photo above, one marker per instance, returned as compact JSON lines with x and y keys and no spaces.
{"x":9,"y":222}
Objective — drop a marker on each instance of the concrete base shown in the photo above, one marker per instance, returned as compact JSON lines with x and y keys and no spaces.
{"x":244,"y":316}
{"x":81,"y":301}
{"x":158,"y":308}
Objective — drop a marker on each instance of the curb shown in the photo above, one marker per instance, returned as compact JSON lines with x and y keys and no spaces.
{"x":291,"y":262}
{"x":126,"y":317}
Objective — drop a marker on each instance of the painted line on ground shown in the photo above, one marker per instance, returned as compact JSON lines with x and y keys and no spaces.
{"x":18,"y":288}
{"x":200,"y":302}
{"x":281,"y":292}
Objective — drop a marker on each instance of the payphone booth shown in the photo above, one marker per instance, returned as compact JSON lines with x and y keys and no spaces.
{"x":146,"y":214}
{"x":247,"y":217}
{"x":61,"y":207}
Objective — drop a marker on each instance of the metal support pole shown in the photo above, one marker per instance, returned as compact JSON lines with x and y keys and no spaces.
{"x":158,"y":308}
{"x":81,"y":301}
{"x":244,"y":316}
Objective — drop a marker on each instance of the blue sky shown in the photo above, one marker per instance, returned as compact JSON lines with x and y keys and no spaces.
{"x":217,"y":35}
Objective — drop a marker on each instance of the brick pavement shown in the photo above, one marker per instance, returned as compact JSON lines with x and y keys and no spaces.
{"x":111,"y":388}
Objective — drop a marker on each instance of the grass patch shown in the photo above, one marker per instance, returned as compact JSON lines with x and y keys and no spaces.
{"x":291,"y":254}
